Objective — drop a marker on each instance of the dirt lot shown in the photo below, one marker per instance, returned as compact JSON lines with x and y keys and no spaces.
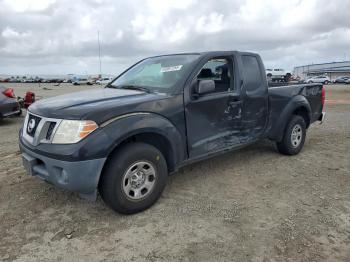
{"x":250,"y":205}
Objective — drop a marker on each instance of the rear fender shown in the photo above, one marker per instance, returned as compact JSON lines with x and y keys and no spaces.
{"x":297,"y":102}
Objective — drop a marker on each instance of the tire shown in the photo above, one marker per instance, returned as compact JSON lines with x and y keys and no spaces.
{"x":326,"y":82}
{"x":288,"y":145}
{"x":118,"y":187}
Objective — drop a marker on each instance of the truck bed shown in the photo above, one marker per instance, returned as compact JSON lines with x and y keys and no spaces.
{"x":283,"y":97}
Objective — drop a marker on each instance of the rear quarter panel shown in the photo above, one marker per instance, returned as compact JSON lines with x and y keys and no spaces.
{"x":284,"y":100}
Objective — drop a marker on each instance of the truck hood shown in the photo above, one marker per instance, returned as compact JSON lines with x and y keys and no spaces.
{"x":96,"y":105}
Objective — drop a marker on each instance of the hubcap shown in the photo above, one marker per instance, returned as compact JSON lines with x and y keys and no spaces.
{"x":297,"y":135}
{"x":139,"y":180}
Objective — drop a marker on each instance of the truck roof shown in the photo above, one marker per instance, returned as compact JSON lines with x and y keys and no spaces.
{"x":204,"y":53}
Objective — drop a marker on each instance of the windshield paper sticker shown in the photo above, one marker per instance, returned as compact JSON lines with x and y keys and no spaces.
{"x":170,"y":68}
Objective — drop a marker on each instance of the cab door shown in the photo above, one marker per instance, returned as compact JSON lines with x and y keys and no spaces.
{"x":213,"y":119}
{"x":254,"y":98}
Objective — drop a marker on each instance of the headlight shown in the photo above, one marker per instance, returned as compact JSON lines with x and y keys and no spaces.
{"x":72,"y":131}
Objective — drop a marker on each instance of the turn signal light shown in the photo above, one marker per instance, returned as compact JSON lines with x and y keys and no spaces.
{"x":86,"y":128}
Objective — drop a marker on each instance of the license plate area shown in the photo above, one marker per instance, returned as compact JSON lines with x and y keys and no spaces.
{"x":28,"y":163}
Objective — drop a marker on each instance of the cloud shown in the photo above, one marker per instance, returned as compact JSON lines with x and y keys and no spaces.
{"x":60,"y":36}
{"x":24,"y":5}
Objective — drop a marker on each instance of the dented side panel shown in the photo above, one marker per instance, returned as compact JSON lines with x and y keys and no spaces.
{"x":213,"y":123}
{"x":254,"y":97}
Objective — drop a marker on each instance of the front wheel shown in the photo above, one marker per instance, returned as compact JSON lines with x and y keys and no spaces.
{"x":134,"y":178}
{"x":294,"y":136}
{"x":326,"y":82}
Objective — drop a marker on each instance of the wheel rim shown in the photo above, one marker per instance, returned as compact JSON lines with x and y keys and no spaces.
{"x":139,"y":180}
{"x":297,"y":135}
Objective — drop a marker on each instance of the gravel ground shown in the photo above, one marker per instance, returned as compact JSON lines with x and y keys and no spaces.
{"x":249,"y":205}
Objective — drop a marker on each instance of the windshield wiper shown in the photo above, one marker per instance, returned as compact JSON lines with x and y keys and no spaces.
{"x":134,"y":87}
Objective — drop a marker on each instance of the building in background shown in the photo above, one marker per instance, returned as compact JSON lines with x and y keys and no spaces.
{"x":333,"y":70}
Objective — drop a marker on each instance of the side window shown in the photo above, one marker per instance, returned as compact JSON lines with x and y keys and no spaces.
{"x":252,"y":74}
{"x":219,"y":70}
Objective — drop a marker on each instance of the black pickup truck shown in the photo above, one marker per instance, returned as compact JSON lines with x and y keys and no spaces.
{"x":162,"y":113}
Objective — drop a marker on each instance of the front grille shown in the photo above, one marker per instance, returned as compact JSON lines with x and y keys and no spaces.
{"x":33,"y":122}
{"x":50,"y":130}
{"x":39,"y":129}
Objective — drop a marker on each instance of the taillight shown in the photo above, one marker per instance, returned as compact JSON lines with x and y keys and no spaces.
{"x":9,"y":93}
{"x":323,"y":95}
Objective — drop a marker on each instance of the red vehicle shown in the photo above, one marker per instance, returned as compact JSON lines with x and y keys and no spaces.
{"x":28,"y":99}
{"x":9,"y":105}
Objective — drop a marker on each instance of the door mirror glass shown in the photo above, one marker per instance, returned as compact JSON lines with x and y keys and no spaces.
{"x":205,"y":86}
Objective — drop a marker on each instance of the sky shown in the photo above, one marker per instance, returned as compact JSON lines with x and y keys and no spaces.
{"x":60,"y":36}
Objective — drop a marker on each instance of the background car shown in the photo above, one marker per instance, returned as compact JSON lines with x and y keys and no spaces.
{"x":9,"y":105}
{"x":319,"y":79}
{"x":80,"y":81}
{"x":104,"y":81}
{"x":342,"y":79}
{"x":276,"y":74}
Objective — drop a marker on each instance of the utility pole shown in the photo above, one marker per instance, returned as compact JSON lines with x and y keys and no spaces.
{"x":99,"y":51}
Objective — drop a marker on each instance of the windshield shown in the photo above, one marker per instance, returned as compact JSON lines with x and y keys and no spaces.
{"x":157,"y":74}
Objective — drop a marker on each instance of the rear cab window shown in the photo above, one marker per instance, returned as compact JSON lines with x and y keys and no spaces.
{"x":251,"y":73}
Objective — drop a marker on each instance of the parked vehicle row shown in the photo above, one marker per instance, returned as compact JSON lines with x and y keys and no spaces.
{"x":276,"y":76}
{"x":326,"y":80}
{"x":74,"y":81}
{"x":33,"y":80}
{"x":92,"y":81}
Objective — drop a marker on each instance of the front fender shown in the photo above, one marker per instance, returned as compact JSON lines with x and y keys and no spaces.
{"x":295,"y":103}
{"x":126,"y":126}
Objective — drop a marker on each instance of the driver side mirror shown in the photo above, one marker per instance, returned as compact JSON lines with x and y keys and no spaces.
{"x":205,"y":86}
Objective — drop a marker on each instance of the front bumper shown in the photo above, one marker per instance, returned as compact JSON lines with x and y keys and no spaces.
{"x":77,"y":176}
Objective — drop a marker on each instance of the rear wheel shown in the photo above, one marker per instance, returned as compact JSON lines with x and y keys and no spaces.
{"x":294,"y":136}
{"x":133,"y":178}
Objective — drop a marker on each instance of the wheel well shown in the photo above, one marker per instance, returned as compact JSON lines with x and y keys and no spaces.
{"x":302,"y":111}
{"x":156,"y":140}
